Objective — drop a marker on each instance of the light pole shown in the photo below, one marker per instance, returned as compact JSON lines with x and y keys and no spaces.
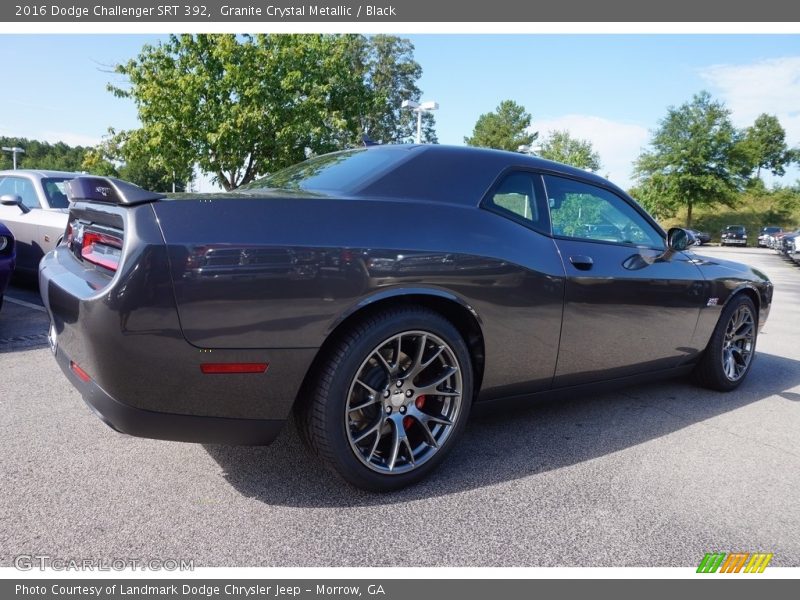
{"x":420,"y":108}
{"x":14,"y":151}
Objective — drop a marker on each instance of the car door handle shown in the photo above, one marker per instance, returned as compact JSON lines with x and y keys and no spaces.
{"x":584,"y":263}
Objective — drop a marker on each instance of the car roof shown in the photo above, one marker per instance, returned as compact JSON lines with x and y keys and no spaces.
{"x":455,"y":174}
{"x":39,"y":173}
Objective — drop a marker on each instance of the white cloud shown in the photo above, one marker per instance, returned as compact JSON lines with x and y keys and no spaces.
{"x":618,"y":143}
{"x":770,"y":86}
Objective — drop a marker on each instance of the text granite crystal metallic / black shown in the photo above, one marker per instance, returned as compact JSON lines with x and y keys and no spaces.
{"x":381,"y":293}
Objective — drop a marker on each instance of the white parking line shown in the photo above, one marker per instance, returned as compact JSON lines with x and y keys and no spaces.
{"x":26,"y":304}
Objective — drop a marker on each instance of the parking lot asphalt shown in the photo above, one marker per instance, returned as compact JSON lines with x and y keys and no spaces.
{"x":652,"y":475}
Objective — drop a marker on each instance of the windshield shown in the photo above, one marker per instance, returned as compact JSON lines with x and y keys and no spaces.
{"x":56,"y":191}
{"x":343,"y":172}
{"x":770,"y":229}
{"x":734,"y":229}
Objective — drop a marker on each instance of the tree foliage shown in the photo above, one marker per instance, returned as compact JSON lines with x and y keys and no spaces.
{"x":764,"y":146}
{"x":120,"y":155}
{"x":242,"y":106}
{"x":390,"y":75}
{"x":42,"y":155}
{"x":504,"y":129}
{"x":561,"y":147}
{"x":694,"y":158}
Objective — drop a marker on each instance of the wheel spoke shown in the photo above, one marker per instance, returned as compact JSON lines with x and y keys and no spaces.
{"x":363,"y":405}
{"x":409,"y":450}
{"x":416,"y":365}
{"x":430,"y":388}
{"x":395,"y":445}
{"x":384,"y":363}
{"x":371,"y":390}
{"x":365,"y":433}
{"x":397,"y":352}
{"x":429,"y":439}
{"x":374,"y":447}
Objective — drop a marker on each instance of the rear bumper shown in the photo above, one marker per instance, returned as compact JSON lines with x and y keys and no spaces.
{"x":169,"y":426}
{"x":141,"y":376}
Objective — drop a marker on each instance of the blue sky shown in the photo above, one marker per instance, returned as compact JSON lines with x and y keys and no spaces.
{"x":611,"y":89}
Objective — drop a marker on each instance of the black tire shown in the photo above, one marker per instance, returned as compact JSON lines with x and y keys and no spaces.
{"x":710,"y":372}
{"x":329,"y":424}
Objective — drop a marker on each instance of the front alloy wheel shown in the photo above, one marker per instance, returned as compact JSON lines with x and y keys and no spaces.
{"x":737,"y":347}
{"x":729,"y":355}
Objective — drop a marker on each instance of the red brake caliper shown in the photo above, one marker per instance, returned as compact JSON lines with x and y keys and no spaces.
{"x":419,"y":403}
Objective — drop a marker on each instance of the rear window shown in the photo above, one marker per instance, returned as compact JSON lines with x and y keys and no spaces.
{"x":343,"y":172}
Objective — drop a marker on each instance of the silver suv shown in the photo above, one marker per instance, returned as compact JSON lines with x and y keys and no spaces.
{"x":34,"y":206}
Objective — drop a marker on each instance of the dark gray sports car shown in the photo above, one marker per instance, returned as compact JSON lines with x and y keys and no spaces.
{"x":381,"y":294}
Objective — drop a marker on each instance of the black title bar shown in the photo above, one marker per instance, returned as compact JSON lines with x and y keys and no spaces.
{"x":343,"y":11}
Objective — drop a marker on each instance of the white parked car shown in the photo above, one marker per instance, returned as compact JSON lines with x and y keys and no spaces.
{"x":34,"y":206}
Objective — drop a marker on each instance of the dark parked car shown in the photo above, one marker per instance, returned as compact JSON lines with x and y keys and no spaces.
{"x":733,"y":235}
{"x":702,"y":237}
{"x":766,"y":233}
{"x":7,"y":259}
{"x":790,"y":245}
{"x":381,"y":293}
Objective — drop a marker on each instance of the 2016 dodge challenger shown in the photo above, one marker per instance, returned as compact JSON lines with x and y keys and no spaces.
{"x":381,"y":293}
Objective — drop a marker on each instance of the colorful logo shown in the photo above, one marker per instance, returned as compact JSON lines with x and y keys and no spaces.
{"x":744,"y":562}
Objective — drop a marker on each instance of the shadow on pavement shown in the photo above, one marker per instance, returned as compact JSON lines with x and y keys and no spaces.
{"x":511,"y":444}
{"x":22,"y":327}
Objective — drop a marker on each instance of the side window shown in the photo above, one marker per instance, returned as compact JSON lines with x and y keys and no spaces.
{"x":56,"y":192}
{"x":582,"y":211}
{"x":519,"y":195}
{"x":21,"y":187}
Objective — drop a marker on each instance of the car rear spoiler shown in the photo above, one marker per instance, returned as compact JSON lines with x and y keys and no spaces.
{"x":109,"y":190}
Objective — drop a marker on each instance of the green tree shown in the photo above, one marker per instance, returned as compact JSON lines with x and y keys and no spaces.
{"x":242,"y":106}
{"x":43,"y":155}
{"x":694,"y":157}
{"x":96,"y":163}
{"x":390,"y":74}
{"x":561,"y":147}
{"x":764,"y":146}
{"x":120,"y":154}
{"x":504,"y":129}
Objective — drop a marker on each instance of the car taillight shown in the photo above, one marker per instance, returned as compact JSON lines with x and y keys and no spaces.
{"x":101,"y":249}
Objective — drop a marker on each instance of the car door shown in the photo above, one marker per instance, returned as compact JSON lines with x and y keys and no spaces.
{"x":24,"y":225}
{"x":629,"y":307}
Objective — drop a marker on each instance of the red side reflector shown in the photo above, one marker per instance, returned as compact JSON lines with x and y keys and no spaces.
{"x":227,"y":368}
{"x":82,"y":375}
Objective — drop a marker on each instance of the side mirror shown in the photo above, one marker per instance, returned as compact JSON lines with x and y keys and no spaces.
{"x":14,"y":200}
{"x":679,"y":239}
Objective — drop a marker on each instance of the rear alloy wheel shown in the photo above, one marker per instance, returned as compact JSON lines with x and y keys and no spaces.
{"x":391,"y":399}
{"x":730,"y":352}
